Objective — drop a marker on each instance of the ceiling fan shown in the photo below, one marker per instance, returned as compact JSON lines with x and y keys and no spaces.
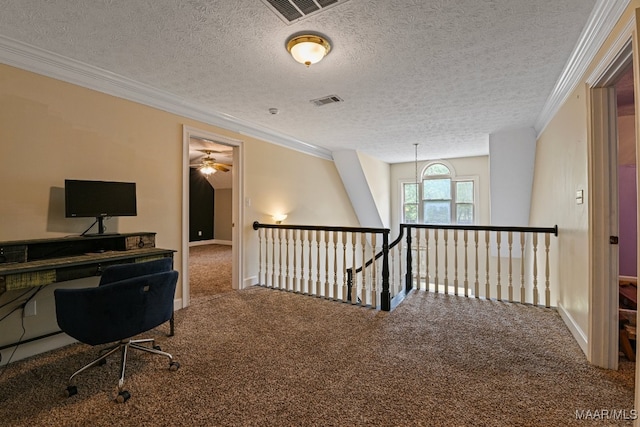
{"x":209,"y":166}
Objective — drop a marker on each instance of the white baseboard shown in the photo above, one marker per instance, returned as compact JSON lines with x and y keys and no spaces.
{"x":210,"y":242}
{"x":576,"y":331}
{"x":177,"y":304}
{"x":250,"y":281}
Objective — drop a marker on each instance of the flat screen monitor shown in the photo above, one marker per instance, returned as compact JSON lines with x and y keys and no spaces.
{"x":99,"y":199}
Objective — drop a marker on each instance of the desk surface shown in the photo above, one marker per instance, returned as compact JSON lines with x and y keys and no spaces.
{"x":22,"y":275}
{"x":84,"y":259}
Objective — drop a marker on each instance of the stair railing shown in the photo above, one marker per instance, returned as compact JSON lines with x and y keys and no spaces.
{"x":351,"y":265}
{"x":316,"y":260}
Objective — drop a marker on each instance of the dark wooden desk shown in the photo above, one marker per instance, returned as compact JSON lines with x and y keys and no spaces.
{"x":31,"y":263}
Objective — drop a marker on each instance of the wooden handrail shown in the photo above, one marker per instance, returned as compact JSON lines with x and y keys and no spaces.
{"x":553,"y":229}
{"x":257,"y":225}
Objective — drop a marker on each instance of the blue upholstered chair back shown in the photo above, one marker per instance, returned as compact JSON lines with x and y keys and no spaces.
{"x":117,"y":310}
{"x":125,"y":271}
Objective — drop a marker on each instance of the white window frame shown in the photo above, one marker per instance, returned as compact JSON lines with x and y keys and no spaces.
{"x":454,"y":178}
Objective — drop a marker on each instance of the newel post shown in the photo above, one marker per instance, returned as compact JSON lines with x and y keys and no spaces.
{"x":408,"y":279}
{"x":385,"y":296}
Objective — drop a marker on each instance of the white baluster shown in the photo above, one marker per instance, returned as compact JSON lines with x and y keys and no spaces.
{"x":466,"y":264}
{"x":287,"y":277}
{"x":510,"y":238}
{"x":335,"y":265}
{"x":477,"y":283}
{"x":354,"y":283}
{"x":436,"y":250}
{"x":344,"y":266}
{"x":547,"y":291}
{"x":522,"y":288}
{"x":499,"y":286}
{"x":363,"y":290}
{"x":260,"y":260}
{"x":535,"y":269}
{"x":273,"y":257}
{"x":318,"y":265}
{"x":455,"y":262}
{"x":310,"y":268}
{"x":427,"y":279}
{"x":445,"y":233}
{"x":326,"y":265}
{"x":487,"y":238}
{"x":417,"y":260}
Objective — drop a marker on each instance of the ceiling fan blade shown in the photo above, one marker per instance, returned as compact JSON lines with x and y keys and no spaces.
{"x":220,"y":167}
{"x":208,"y":151}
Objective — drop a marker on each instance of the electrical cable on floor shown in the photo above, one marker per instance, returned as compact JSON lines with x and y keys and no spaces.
{"x":16,"y":298}
{"x":24,"y":331}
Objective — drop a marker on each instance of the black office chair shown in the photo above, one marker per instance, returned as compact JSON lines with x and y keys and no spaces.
{"x":118,"y":272}
{"x":115,"y":312}
{"x":127,"y":271}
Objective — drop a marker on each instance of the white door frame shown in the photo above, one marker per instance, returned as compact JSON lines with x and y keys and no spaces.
{"x":603,"y":206}
{"x":236,"y":209}
{"x":603,"y":331}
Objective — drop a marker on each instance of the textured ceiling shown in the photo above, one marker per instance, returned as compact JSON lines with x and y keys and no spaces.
{"x":441,"y":73}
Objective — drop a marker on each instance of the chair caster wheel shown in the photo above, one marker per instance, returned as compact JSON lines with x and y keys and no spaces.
{"x":157,"y":347}
{"x":173,"y":366}
{"x":102,"y":362}
{"x":123,"y":396}
{"x":71,"y":390}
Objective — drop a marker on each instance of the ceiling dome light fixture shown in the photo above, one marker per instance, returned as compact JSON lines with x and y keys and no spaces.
{"x":308,"y":49}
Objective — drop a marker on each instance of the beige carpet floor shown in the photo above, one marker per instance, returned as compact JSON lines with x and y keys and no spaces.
{"x":262,"y":357}
{"x":209,"y":270}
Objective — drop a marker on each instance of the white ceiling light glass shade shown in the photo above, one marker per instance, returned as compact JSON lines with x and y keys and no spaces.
{"x":207,"y":169}
{"x":308,"y":49}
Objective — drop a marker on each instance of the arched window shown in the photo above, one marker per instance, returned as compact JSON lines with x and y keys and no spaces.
{"x":439,"y":197}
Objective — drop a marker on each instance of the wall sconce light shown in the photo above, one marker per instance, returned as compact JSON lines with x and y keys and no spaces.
{"x":278,"y":218}
{"x":308,"y":49}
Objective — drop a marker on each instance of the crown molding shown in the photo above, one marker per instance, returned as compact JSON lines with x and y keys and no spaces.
{"x":604,"y":17}
{"x":27,"y":57}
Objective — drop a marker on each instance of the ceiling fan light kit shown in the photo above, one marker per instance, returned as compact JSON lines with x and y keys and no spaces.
{"x":207,"y":169}
{"x":308,"y":49}
{"x":209,"y":166}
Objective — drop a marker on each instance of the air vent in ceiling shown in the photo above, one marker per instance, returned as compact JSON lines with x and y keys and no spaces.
{"x":331,"y":99}
{"x":291,"y":11}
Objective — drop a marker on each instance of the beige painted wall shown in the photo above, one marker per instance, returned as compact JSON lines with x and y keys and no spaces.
{"x":378,"y":175}
{"x":51,"y":130}
{"x":561,"y":169}
{"x":222,"y":218}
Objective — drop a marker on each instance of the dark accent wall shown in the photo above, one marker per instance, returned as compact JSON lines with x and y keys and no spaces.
{"x":201,"y":204}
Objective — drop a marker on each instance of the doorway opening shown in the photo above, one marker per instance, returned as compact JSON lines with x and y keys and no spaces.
{"x":612,"y":144}
{"x":211,"y":243}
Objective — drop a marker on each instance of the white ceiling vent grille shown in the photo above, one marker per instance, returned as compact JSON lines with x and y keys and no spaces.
{"x":331,"y":99}
{"x":291,"y":11}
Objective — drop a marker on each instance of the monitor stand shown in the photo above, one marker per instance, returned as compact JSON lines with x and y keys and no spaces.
{"x":100,"y":221}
